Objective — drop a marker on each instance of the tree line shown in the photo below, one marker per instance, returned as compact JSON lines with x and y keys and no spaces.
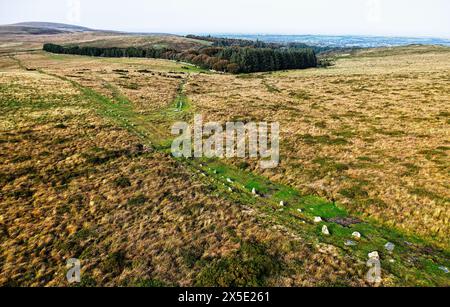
{"x":234,"y":42}
{"x":233,"y":59}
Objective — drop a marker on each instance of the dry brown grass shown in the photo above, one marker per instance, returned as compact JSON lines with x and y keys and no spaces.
{"x":150,"y":84}
{"x":146,"y":41}
{"x":18,"y":43}
{"x":73,"y":184}
{"x":372,"y":131}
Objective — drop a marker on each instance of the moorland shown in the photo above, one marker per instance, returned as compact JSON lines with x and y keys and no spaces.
{"x":86,"y":170}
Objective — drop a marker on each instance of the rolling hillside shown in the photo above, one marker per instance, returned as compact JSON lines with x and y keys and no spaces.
{"x":86,"y":169}
{"x":145,"y":41}
{"x":34,"y":34}
{"x":41,"y":28}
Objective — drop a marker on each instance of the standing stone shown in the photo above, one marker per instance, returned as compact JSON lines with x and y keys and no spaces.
{"x":325,"y":230}
{"x":356,"y":235}
{"x":374,"y":255}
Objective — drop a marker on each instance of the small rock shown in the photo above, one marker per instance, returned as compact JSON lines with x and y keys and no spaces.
{"x":229,"y":180}
{"x":444,"y":269}
{"x":350,"y":243}
{"x":389,"y":247}
{"x":391,"y":260}
{"x":281,"y":203}
{"x":300,"y":210}
{"x":325,"y":230}
{"x":374,"y":255}
{"x":356,"y":235}
{"x":230,"y":189}
{"x":254,"y":191}
{"x":317,"y":219}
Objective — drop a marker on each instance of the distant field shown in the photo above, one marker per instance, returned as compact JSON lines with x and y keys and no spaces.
{"x":346,"y":41}
{"x":146,"y":41}
{"x":86,"y":170}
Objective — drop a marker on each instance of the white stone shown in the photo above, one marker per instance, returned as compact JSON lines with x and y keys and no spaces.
{"x":389,"y":247}
{"x":374,"y":255}
{"x":300,"y":210}
{"x":229,"y":180}
{"x":281,"y":203}
{"x":356,"y":235}
{"x":254,"y":191}
{"x":317,"y":219}
{"x":350,"y":243}
{"x":325,"y":230}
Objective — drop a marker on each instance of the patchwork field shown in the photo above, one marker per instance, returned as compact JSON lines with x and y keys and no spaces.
{"x":86,"y":172}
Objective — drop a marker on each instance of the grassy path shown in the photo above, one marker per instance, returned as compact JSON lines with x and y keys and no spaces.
{"x":412,"y":263}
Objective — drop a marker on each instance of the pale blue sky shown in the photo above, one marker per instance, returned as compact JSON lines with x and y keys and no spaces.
{"x":368,"y":17}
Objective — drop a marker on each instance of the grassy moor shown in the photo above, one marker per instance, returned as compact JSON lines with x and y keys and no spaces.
{"x":86,"y":169}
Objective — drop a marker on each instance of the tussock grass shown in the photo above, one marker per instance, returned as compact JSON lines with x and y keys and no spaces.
{"x":98,"y":182}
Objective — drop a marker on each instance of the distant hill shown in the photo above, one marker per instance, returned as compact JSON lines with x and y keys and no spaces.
{"x":41,"y":28}
{"x":47,"y":32}
{"x":54,"y":26}
{"x":145,"y":41}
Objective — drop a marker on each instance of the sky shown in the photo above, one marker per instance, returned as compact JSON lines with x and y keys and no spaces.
{"x":330,"y":17}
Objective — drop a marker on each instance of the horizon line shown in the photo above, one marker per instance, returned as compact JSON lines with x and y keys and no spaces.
{"x":183,"y":33}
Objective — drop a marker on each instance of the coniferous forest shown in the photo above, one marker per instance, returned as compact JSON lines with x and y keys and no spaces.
{"x":229,"y":57}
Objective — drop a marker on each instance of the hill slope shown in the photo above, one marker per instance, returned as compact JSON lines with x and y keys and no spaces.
{"x":40,"y":28}
{"x":145,"y":41}
{"x":36,"y":33}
